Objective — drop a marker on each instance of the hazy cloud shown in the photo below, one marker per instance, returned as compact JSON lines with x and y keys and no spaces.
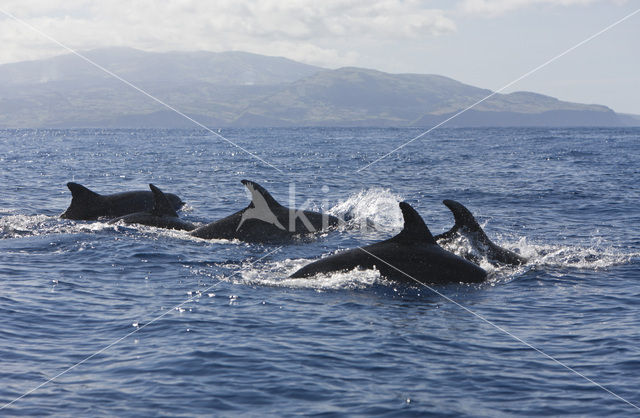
{"x":418,"y":36}
{"x":492,"y":8}
{"x":319,"y":32}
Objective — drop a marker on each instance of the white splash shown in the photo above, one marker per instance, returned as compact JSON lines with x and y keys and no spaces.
{"x":277,"y":274}
{"x":595,"y":257}
{"x":376,"y":207}
{"x":16,"y":226}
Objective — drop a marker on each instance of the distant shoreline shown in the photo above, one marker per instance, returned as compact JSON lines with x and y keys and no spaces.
{"x":238,"y":89}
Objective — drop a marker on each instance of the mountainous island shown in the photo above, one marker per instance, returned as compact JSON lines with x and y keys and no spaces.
{"x":238,"y":89}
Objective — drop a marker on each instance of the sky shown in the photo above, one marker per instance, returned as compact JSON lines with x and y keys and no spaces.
{"x":485,"y":43}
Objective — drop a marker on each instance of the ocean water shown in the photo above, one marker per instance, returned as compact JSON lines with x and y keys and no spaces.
{"x":113,"y":320}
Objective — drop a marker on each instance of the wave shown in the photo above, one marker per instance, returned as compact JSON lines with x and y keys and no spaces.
{"x":540,"y":256}
{"x":377,"y":207}
{"x":276,"y":274}
{"x":18,"y":226}
{"x":595,"y":257}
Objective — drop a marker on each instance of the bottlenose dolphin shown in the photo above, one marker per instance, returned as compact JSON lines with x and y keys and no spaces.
{"x":413,"y":252}
{"x":89,"y":205}
{"x":467,"y":226}
{"x":163,"y":215}
{"x":265,"y":220}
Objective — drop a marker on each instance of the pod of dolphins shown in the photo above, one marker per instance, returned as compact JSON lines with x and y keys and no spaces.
{"x":412,"y":256}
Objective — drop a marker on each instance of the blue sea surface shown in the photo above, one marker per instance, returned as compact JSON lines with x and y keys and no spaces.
{"x":124,"y":320}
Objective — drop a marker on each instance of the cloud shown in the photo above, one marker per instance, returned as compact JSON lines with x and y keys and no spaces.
{"x":309,"y":30}
{"x":493,"y":8}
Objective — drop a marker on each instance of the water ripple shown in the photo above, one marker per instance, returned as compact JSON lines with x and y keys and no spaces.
{"x":217,"y":330}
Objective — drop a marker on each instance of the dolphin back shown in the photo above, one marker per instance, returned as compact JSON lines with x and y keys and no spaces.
{"x":412,"y":256}
{"x":414,"y":230}
{"x":89,"y":205}
{"x":161,"y":205}
{"x":466,"y":225}
{"x":163,"y":215}
{"x":84,"y":205}
{"x":265,"y":220}
{"x":260,"y":195}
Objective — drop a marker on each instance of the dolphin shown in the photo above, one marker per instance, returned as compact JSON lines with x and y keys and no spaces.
{"x":265,"y":220}
{"x":259,"y":207}
{"x":467,"y":226}
{"x":412,"y":255}
{"x":89,"y":205}
{"x":163,"y":215}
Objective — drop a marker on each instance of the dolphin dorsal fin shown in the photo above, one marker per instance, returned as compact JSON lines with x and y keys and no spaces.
{"x":260,"y":194}
{"x":81,"y":193}
{"x":463,"y":217}
{"x":415,"y":230}
{"x":161,"y":205}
